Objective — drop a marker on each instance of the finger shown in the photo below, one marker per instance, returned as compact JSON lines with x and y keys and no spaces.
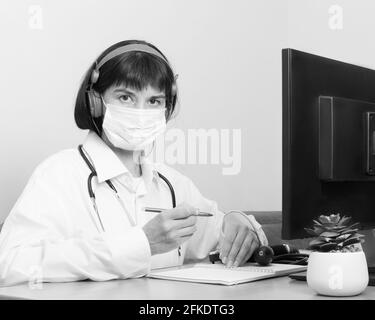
{"x":221,"y":243}
{"x":226,"y":244}
{"x":185,"y":232}
{"x":181,"y":240}
{"x":236,"y":246}
{"x":182,"y":235}
{"x":183,"y":223}
{"x":254,"y":246}
{"x":244,"y":251}
{"x":181,"y":212}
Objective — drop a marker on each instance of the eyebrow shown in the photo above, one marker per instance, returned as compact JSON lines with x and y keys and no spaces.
{"x":133,"y":93}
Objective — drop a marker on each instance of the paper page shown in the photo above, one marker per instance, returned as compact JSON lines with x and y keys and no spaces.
{"x":219,"y":273}
{"x":214,"y":273}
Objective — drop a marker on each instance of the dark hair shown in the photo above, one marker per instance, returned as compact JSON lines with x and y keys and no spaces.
{"x":133,"y":69}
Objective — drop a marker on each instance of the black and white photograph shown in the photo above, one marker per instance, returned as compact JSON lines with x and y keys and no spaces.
{"x":187,"y":155}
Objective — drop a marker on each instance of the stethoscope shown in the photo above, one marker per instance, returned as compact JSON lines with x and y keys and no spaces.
{"x":110,"y":184}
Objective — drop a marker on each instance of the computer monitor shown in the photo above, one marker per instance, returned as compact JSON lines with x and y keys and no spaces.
{"x":328,"y":142}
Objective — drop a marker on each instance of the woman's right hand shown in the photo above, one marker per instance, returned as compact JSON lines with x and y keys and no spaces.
{"x":170,"y":228}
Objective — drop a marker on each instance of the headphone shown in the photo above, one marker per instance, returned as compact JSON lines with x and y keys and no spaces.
{"x":265,"y":255}
{"x":94,"y":100}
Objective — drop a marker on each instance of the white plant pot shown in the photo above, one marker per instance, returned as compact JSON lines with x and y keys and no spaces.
{"x":337,"y":273}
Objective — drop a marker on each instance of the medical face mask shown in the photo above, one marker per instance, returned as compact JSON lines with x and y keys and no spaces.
{"x":131,"y":128}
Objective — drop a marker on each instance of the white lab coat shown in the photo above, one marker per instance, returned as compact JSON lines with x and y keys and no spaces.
{"x":52,"y":233}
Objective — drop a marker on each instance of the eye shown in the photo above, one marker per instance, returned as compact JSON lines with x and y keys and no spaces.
{"x":154,"y":101}
{"x":125,"y":98}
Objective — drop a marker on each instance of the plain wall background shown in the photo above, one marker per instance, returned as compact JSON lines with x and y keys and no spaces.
{"x":310,"y":29}
{"x":227,"y":55}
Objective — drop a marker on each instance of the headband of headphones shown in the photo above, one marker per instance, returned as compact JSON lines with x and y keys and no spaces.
{"x":127,"y":48}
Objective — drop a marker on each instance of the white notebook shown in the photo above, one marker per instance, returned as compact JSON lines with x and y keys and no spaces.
{"x":219,"y":274}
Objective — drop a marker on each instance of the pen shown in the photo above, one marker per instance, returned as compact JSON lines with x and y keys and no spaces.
{"x":158,"y":210}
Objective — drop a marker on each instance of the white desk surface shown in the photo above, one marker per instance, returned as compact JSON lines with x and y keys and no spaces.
{"x":146,"y":289}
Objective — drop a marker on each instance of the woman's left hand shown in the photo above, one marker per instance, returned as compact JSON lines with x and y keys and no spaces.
{"x":238,"y":241}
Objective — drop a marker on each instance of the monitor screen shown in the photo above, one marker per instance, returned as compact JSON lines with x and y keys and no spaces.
{"x":328,"y":141}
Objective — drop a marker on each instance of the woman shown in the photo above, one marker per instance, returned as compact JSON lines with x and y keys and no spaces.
{"x":82,"y":216}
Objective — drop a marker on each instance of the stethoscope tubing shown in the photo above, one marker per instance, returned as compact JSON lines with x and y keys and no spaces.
{"x":110,"y":184}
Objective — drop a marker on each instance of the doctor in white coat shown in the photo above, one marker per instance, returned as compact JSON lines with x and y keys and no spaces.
{"x":69,"y":223}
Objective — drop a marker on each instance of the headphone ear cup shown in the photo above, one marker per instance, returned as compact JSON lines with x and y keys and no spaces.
{"x":174,"y":87}
{"x":264,"y":255}
{"x":94,"y":76}
{"x":174,"y":90}
{"x":96,"y":104}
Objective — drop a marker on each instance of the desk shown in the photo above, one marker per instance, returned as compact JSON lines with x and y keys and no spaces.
{"x":146,"y":289}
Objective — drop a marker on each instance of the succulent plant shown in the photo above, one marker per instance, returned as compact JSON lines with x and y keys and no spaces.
{"x":334,"y":234}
